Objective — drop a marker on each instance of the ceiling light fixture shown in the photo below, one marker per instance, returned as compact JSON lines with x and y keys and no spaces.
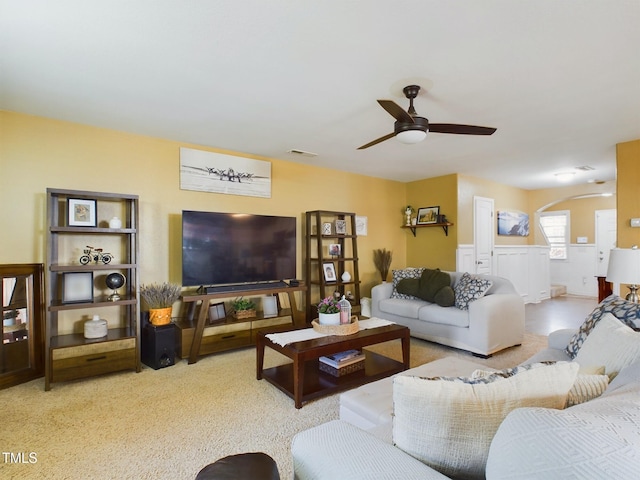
{"x":565,"y":176}
{"x":411,"y":136}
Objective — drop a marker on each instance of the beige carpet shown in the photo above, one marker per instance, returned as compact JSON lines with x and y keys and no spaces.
{"x":169,"y":423}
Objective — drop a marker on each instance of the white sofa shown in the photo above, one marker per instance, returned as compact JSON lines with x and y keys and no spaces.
{"x":593,"y":440}
{"x":492,"y":323}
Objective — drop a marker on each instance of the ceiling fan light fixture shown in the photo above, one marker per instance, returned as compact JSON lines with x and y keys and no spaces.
{"x":411,"y":136}
{"x":565,"y":176}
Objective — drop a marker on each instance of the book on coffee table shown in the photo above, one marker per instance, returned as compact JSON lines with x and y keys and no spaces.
{"x":342,"y":359}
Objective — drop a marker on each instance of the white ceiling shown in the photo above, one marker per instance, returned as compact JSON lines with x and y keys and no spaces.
{"x":560,"y":80}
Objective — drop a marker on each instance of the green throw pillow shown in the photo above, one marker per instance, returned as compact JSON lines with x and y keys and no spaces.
{"x":409,"y":286}
{"x":445,"y":297}
{"x":431,"y":282}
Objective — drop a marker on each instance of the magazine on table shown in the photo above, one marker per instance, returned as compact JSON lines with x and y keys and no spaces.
{"x":342,"y":359}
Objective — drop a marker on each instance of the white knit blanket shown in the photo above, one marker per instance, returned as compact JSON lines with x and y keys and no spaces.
{"x":293,"y":336}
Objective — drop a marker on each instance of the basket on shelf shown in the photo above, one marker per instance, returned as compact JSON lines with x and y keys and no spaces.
{"x":243,"y":308}
{"x":240,"y":314}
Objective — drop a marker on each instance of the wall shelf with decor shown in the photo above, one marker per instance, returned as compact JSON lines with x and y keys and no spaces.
{"x":331,"y":249}
{"x":77,"y":288}
{"x":445,"y":227}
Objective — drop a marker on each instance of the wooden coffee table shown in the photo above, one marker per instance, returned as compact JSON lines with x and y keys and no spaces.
{"x":302,"y":380}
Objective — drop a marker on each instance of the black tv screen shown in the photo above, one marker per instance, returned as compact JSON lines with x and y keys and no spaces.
{"x":229,"y":248}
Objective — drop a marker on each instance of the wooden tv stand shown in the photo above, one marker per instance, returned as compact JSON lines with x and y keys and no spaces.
{"x":245,"y":331}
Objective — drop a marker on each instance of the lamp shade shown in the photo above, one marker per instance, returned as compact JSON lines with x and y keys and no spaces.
{"x":624,"y":266}
{"x":411,"y":136}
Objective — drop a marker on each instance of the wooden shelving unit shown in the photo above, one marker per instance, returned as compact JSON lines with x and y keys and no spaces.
{"x":68,"y":355}
{"x":445,"y":227}
{"x":317,"y":255}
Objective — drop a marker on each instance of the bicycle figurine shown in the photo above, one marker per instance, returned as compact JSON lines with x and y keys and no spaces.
{"x":96,"y":255}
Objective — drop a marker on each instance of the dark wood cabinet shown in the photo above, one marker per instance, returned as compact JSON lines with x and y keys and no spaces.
{"x":22,"y":347}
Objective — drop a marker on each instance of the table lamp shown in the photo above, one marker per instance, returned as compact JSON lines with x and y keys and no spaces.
{"x":624,"y":267}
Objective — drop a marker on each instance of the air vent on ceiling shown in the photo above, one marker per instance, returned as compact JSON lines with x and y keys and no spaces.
{"x":302,"y":152}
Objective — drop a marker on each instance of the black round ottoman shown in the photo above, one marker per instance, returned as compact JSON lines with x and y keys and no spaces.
{"x":254,"y":466}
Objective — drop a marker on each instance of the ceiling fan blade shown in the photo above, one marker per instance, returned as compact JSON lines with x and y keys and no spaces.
{"x":396,"y":111}
{"x":379,"y":140}
{"x":460,"y":129}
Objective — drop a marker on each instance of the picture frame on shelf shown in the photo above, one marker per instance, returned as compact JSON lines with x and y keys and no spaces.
{"x":81,"y":212}
{"x":335,"y":250}
{"x":217,"y":313}
{"x":77,"y":287}
{"x":329,"y":270}
{"x":428,"y":215}
{"x":341,"y":227}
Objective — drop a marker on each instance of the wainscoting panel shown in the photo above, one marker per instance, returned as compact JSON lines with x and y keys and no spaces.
{"x":578,"y":272}
{"x":526,"y":266}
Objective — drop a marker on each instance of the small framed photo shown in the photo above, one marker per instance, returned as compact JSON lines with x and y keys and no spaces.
{"x":217,"y":313}
{"x":428,"y":215}
{"x":81,"y":212}
{"x":335,"y":249}
{"x":77,"y":287}
{"x":341,"y":227}
{"x":329,"y":272}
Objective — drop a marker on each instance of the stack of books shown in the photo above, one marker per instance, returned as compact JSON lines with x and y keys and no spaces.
{"x":342,"y":363}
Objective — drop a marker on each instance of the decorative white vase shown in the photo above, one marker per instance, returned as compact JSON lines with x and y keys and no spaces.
{"x":329,"y":318}
{"x":346,"y":276}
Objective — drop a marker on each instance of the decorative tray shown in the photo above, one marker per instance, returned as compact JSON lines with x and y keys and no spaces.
{"x":346,"y":329}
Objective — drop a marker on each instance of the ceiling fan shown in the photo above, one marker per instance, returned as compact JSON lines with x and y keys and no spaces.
{"x":410,"y":128}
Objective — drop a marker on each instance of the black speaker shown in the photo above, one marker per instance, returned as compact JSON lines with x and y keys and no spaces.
{"x":159,"y":345}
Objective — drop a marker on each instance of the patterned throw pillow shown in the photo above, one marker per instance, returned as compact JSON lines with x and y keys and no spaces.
{"x":449,"y":422}
{"x":625,"y":311}
{"x":470,"y":288}
{"x":409,"y":272}
{"x":612,"y":344}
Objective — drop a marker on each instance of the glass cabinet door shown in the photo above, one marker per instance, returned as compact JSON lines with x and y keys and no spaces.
{"x":21,"y":350}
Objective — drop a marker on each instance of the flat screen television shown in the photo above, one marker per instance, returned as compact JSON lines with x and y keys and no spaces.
{"x":229,"y":248}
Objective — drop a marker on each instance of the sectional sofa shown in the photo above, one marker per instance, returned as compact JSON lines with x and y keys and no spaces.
{"x":558,"y":423}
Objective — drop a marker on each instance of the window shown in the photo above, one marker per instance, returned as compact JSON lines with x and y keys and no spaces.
{"x":555,"y":227}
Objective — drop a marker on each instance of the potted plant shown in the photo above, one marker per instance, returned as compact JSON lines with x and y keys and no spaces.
{"x":382,"y":261}
{"x":243,"y":308}
{"x":160,"y":299}
{"x":329,"y":311}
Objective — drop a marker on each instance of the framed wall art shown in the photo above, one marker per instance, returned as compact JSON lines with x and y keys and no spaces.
{"x":77,"y":287}
{"x":220,"y":173}
{"x":361,"y":225}
{"x":329,"y":272}
{"x":513,"y":223}
{"x":81,"y":212}
{"x":427,"y":215}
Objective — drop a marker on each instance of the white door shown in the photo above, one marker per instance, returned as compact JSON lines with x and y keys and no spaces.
{"x":606,"y":229}
{"x":483,"y":234}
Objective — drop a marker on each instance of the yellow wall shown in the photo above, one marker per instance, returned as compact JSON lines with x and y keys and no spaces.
{"x":430,"y":247}
{"x":628,"y":174}
{"x":36,"y":153}
{"x":505,"y":198}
